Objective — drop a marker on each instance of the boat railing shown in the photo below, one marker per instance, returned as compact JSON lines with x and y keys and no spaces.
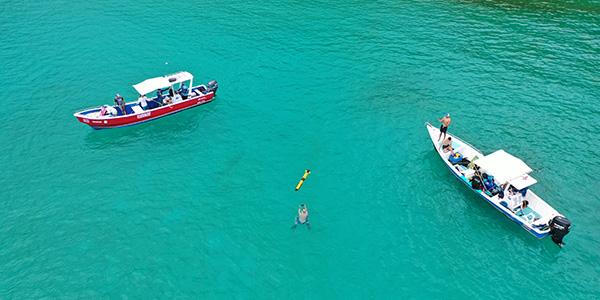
{"x":465,"y":142}
{"x":86,"y":109}
{"x":462,"y":141}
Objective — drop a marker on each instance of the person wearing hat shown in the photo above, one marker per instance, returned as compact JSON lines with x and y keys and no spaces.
{"x":445,"y":123}
{"x":121,"y":103}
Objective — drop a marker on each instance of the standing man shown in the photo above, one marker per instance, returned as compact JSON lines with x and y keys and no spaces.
{"x":302,"y":217}
{"x":143,"y":102}
{"x":121,"y":103}
{"x":445,"y":123}
{"x":159,"y":97}
{"x":184,"y":91}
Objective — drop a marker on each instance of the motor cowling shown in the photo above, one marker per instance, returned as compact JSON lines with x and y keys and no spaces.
{"x":212,"y":86}
{"x":559,"y":227}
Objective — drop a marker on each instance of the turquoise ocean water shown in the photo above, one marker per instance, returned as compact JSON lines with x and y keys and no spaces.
{"x":199,"y":205}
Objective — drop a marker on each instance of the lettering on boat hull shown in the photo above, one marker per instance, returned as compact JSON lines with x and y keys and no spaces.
{"x":146,"y":114}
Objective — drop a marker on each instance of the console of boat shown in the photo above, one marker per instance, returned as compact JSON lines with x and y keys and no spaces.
{"x":168,"y":94}
{"x":503,"y":181}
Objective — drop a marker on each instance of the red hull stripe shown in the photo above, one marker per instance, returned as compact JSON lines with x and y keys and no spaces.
{"x":141,"y":117}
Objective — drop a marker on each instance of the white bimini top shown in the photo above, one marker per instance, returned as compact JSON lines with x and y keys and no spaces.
{"x":153,"y":84}
{"x":507,"y":168}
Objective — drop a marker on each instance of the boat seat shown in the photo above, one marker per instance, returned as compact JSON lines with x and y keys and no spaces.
{"x":137,"y":109}
{"x":468,"y":173}
{"x":455,"y":145}
{"x":528,"y":213}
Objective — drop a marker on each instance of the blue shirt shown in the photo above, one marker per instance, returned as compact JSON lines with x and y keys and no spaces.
{"x":184,"y":90}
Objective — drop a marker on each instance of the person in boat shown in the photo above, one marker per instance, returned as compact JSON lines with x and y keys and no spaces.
{"x":477,"y":181}
{"x":120,"y":103}
{"x":168,"y":98}
{"x":477,"y":170}
{"x":159,"y":97}
{"x":184,"y":91}
{"x":446,"y":145}
{"x":108,"y":110}
{"x":489,"y":184}
{"x":505,"y":190}
{"x":302,"y":217}
{"x":445,"y":123}
{"x":143,"y":102}
{"x":513,"y":197}
{"x":524,"y":205}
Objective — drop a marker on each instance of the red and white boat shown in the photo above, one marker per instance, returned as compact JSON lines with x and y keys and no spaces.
{"x":171,"y":102}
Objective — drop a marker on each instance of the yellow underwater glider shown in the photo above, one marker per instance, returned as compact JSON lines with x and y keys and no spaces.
{"x":302,"y":180}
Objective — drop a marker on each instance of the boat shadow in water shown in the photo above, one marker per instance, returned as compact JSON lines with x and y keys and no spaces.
{"x":157,"y":131}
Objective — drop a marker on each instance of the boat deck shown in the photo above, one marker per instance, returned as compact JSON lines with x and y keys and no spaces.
{"x":534,"y":218}
{"x":134,"y":108}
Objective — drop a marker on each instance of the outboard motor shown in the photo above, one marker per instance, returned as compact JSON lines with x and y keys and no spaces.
{"x":212,"y":86}
{"x":559,"y":227}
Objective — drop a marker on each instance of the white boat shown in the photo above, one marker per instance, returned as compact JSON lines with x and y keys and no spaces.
{"x":505,"y":185}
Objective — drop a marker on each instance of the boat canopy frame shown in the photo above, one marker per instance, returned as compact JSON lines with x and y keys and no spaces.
{"x":153,"y":84}
{"x":507,"y":168}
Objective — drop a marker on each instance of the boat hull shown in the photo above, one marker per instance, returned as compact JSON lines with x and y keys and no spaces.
{"x":494,"y":201}
{"x":86,"y":116}
{"x":508,"y":215}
